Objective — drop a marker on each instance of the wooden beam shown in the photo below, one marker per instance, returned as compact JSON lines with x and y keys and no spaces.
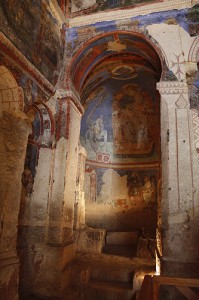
{"x":146,"y":289}
{"x":192,"y":282}
{"x":187,"y":292}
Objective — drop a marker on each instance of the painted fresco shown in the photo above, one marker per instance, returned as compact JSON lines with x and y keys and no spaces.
{"x":129,"y":45}
{"x":193,"y":20}
{"x":30,"y":168}
{"x":41,"y":136}
{"x":45,"y":47}
{"x":120,"y":130}
{"x":185,"y":18}
{"x":32,"y":92}
{"x":79,"y":7}
{"x":134,"y":121}
{"x":121,"y":120}
{"x":194,"y":95}
{"x":128,"y":189}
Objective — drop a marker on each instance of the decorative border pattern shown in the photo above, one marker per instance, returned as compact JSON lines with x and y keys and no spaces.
{"x":181,"y":102}
{"x":194,"y":51}
{"x":195,"y":120}
{"x":13,"y":53}
{"x":129,"y":13}
{"x":172,"y":87}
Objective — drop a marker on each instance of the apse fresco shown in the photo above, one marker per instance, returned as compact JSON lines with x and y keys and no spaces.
{"x":134,"y":121}
{"x":79,"y":7}
{"x":116,"y":76}
{"x":121,"y":121}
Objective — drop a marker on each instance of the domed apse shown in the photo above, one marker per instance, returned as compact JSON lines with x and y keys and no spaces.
{"x":116,"y":78}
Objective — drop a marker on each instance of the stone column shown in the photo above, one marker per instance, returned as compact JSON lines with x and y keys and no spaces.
{"x":14,"y":131}
{"x":53,"y":274}
{"x":178,"y":255}
{"x":64,"y":173}
{"x":47,"y":222}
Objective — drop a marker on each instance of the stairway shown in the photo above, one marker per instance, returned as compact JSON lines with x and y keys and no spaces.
{"x":108,"y":277}
{"x":115,"y":274}
{"x":121,"y":243}
{"x":110,"y":282}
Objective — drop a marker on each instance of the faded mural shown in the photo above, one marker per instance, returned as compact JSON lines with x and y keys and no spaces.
{"x":127,"y":189}
{"x":45,"y":47}
{"x":41,"y":136}
{"x":79,"y":7}
{"x":134,"y":121}
{"x":121,"y":122}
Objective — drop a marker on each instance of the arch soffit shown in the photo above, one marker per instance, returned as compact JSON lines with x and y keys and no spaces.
{"x":77,"y":67}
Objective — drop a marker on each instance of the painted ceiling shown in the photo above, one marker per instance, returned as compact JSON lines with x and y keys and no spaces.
{"x":86,"y":7}
{"x":116,"y":55}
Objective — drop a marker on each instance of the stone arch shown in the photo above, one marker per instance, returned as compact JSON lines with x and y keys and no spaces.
{"x":166,"y":74}
{"x":194,"y":51}
{"x":42,"y":135}
{"x":193,"y":57}
{"x":11,"y":95}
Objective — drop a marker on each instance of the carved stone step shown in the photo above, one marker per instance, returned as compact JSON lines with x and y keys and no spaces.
{"x":102,"y":290}
{"x":122,"y":238}
{"x":111,"y":273}
{"x":120,"y":250}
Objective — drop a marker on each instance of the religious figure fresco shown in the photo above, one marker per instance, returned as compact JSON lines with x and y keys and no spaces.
{"x":97,"y":136}
{"x":46,"y":46}
{"x":79,"y":7}
{"x":96,"y":124}
{"x":134,"y":121}
{"x":142,"y":189}
{"x":93,"y":187}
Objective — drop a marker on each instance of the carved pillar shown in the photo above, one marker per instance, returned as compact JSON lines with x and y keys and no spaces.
{"x":63,"y":190}
{"x":51,"y":277}
{"x":177,"y":182}
{"x":14,"y":131}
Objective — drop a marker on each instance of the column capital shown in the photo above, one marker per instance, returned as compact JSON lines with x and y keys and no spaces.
{"x":69,"y":95}
{"x":172,"y":87}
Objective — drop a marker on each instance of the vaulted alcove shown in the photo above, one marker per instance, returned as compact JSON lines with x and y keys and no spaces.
{"x":116,"y":75}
